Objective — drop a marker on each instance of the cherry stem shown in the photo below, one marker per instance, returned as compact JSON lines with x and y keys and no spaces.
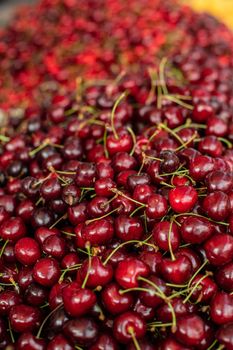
{"x":134,"y":140}
{"x":63,"y":217}
{"x":39,"y":148}
{"x":4,"y":138}
{"x":176,"y":100}
{"x":185,"y":144}
{"x":201,"y":216}
{"x":153,"y":79}
{"x":166,"y":300}
{"x":136,"y":210}
{"x":103,"y":216}
{"x":10,"y":331}
{"x":89,"y":266}
{"x":169,"y":242}
{"x":197,"y":272}
{"x":118,"y":101}
{"x":172,"y":132}
{"x":227,"y":142}
{"x":139,"y":289}
{"x":71,"y":268}
{"x":68,"y":233}
{"x":162,"y":75}
{"x":3,"y":248}
{"x":212,"y":345}
{"x":11,"y":279}
{"x":125,"y":243}
{"x":63,"y":172}
{"x":189,"y":124}
{"x":105,"y":142}
{"x":129,"y":198}
{"x":46,"y":319}
{"x":136,"y":344}
{"x":78,"y":347}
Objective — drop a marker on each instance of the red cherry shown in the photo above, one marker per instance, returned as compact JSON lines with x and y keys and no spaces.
{"x":196,"y":230}
{"x":183,"y":198}
{"x":24,"y":318}
{"x":225,"y":336}
{"x":217,"y":205}
{"x":161,"y":235}
{"x":114,"y":301}
{"x":59,"y":342}
{"x":156,"y":206}
{"x":190,"y":330}
{"x":219,"y":249}
{"x":77,"y":301}
{"x":126,"y":324}
{"x":46,"y":272}
{"x":224,"y":277}
{"x":13,"y":229}
{"x":221,"y":308}
{"x":98,"y":274}
{"x":128,"y":228}
{"x":27,"y":251}
{"x":128,"y":271}
{"x":28,"y":341}
{"x":176,"y":271}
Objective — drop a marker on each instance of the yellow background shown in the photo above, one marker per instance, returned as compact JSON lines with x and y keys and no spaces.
{"x":222,"y":9}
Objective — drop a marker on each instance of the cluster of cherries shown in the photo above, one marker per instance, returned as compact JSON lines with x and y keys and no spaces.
{"x":116,"y":199}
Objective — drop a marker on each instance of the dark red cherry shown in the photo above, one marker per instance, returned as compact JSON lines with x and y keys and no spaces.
{"x":200,"y":166}
{"x":25,"y":210}
{"x":27,"y":251}
{"x":71,"y":194}
{"x":211,"y":146}
{"x":128,"y":271}
{"x":196,"y":230}
{"x":152,"y":260}
{"x":103,"y":187}
{"x":216,"y":205}
{"x":54,"y":246}
{"x":219,"y":249}
{"x":151,"y":298}
{"x":221,"y":308}
{"x":225,"y":336}
{"x":98,"y":274}
{"x":77,"y":301}
{"x":170,"y":162}
{"x":203,"y":287}
{"x":219,"y":180}
{"x":24,"y":318}
{"x":172,"y":344}
{"x":114,"y":301}
{"x":42,"y":217}
{"x":27,"y":341}
{"x":36,"y":295}
{"x":176,"y":271}
{"x":98,"y":207}
{"x":123,"y":144}
{"x":51,"y":189}
{"x":165,"y":231}
{"x":127,"y":324}
{"x":146,"y":312}
{"x":142,"y":192}
{"x":191,"y":255}
{"x":123,"y":161}
{"x":55,"y":294}
{"x":77,"y":213}
{"x":183,"y":198}
{"x":98,"y":232}
{"x":43,"y":232}
{"x":59,"y":342}
{"x":224,"y":277}
{"x":46,"y":272}
{"x":138,"y":180}
{"x":128,"y":228}
{"x":8,"y":298}
{"x":163,"y":312}
{"x":25,"y":277}
{"x":82,"y":331}
{"x":86,"y":174}
{"x":202,"y":112}
{"x":13,"y":229}
{"x":156,"y":206}
{"x":105,"y":341}
{"x":190,"y":330}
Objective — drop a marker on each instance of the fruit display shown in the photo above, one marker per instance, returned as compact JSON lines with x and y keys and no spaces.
{"x":116,"y":178}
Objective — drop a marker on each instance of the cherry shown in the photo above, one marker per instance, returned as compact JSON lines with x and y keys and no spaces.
{"x":42,"y":217}
{"x":152,"y":260}
{"x":200,"y":166}
{"x":196,"y":230}
{"x":98,"y":273}
{"x":98,"y":207}
{"x":46,"y":272}
{"x":153,"y":297}
{"x":225,"y":336}
{"x":72,"y":148}
{"x":135,"y":180}
{"x":221,"y":308}
{"x":82,"y":331}
{"x":219,"y":181}
{"x":202,"y":112}
{"x":24,"y":318}
{"x":30,"y":342}
{"x":123,"y":143}
{"x":170,"y":162}
{"x":27,"y":251}
{"x":224,"y":277}
{"x":59,"y":342}
{"x":142,"y":192}
{"x":128,"y":325}
{"x":50,"y":189}
{"x":163,"y":312}
{"x":219,"y":249}
{"x":77,"y":213}
{"x":77,"y":301}
{"x":54,"y":246}
{"x":216,"y":205}
{"x":122,"y":161}
{"x":98,"y":232}
{"x":190,"y":330}
{"x":103,"y":187}
{"x":104,"y":171}
{"x":105,"y":341}
{"x":25,"y":278}
{"x":25,"y":210}
{"x":114,"y":301}
{"x":122,"y":177}
{"x":165,"y":234}
{"x":211,"y":145}
{"x":146,"y":312}
{"x":86,"y":174}
{"x":128,"y":228}
{"x":71,"y":194}
{"x":36,"y":295}
{"x":172,"y":344}
{"x":204,"y":288}
{"x":191,"y":255}
{"x":129,"y":270}
{"x":176,"y":271}
{"x":55,"y":295}
{"x":156,"y":206}
{"x":42,"y":233}
{"x":29,"y":187}
{"x":8,"y":298}
{"x":183,"y":198}
{"x":13,"y":229}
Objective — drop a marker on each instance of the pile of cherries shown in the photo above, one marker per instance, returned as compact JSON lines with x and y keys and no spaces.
{"x":116,"y":197}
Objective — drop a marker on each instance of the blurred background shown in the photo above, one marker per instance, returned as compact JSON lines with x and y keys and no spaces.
{"x":222,"y":9}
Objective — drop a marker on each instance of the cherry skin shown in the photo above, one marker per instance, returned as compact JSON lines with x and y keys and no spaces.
{"x":86,"y":174}
{"x":27,"y":341}
{"x":219,"y":181}
{"x":191,"y":255}
{"x":156,"y":206}
{"x":82,"y":331}
{"x":46,"y":272}
{"x":183,"y":198}
{"x":151,"y":298}
{"x":55,"y":246}
{"x":59,"y":342}
{"x":42,"y":233}
{"x":219,"y":249}
{"x":200,"y":166}
{"x":221,"y":308}
{"x":27,"y":251}
{"x":142,"y":192}
{"x":128,"y":271}
{"x":98,"y":232}
{"x":152,"y":260}
{"x":13,"y":229}
{"x":225,"y":336}
{"x":176,"y":271}
{"x":123,"y":144}
{"x":114,"y":301}
{"x":146,"y":312}
{"x":104,"y":186}
{"x":77,"y":301}
{"x":55,"y":295}
{"x":50,"y":189}
{"x":161,"y":235}
{"x":163,"y":312}
{"x":8,"y":298}
{"x":216,"y":205}
{"x":126,"y":324}
{"x":98,"y":275}
{"x":196,"y":230}
{"x":128,"y":228}
{"x":224,"y":277}
{"x":190,"y":330}
{"x":24,"y":318}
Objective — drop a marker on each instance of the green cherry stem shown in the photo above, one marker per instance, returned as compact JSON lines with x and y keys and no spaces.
{"x":194,"y":288}
{"x":46,"y":319}
{"x":89,"y":266}
{"x":102,"y":217}
{"x":136,"y":344}
{"x":169,"y":242}
{"x":116,"y":104}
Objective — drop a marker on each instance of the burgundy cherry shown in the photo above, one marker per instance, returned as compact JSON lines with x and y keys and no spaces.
{"x":98,"y":274}
{"x":59,"y":342}
{"x":114,"y":301}
{"x":82,"y":331}
{"x":8,"y":298}
{"x":165,"y":231}
{"x":224,"y":277}
{"x":128,"y":228}
{"x":24,"y":318}
{"x":176,"y":271}
{"x":196,"y":230}
{"x":225,"y":336}
{"x":13,"y":229}
{"x":156,"y":206}
{"x":216,"y":205}
{"x":128,"y":271}
{"x":27,"y":251}
{"x":46,"y":272}
{"x":221,"y":308}
{"x":27,"y":341}
{"x":219,"y":249}
{"x":190,"y":330}
{"x":127,"y":325}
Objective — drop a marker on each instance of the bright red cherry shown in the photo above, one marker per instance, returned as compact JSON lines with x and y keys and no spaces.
{"x":183,"y":198}
{"x":114,"y":301}
{"x":46,"y":272}
{"x":219,"y":249}
{"x":221,"y":308}
{"x":127,"y":325}
{"x":128,"y":271}
{"x":156,"y":206}
{"x":27,"y":251}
